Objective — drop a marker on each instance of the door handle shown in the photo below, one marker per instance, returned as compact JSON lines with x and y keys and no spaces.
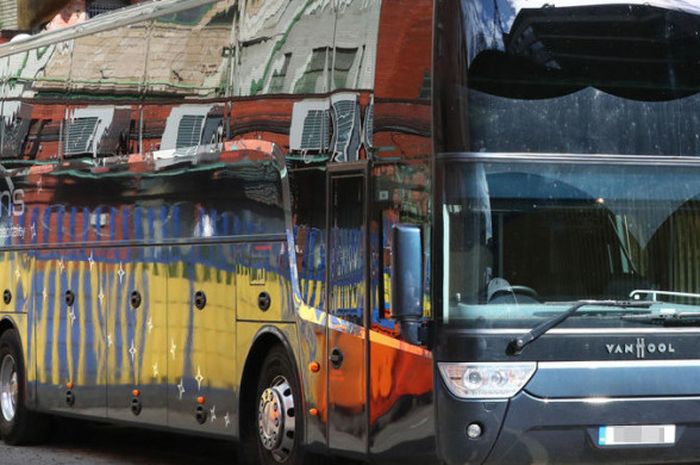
{"x":336,"y":358}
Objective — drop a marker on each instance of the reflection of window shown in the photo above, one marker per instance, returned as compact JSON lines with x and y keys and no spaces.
{"x":189,"y":131}
{"x":344,"y":59}
{"x":307,"y":84}
{"x":278,"y":76}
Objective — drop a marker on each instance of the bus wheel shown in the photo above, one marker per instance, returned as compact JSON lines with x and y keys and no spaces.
{"x":278,"y":420}
{"x":18,"y":425}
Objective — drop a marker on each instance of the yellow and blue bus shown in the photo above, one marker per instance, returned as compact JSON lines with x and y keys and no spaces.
{"x":400,"y":231}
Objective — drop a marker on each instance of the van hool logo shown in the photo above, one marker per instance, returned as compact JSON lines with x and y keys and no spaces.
{"x":641,"y":348}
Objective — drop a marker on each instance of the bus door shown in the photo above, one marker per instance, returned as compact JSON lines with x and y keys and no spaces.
{"x":348,"y":306}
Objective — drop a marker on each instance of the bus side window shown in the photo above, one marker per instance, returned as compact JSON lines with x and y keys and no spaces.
{"x":309,"y":207}
{"x":401,"y":194}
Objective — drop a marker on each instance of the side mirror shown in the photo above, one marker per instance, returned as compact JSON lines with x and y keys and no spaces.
{"x":407,"y":279}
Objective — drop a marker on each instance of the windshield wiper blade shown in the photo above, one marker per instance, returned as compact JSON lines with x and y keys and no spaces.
{"x":516,"y":345}
{"x":665,"y":318}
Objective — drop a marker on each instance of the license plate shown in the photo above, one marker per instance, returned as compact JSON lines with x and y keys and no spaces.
{"x":631,"y":435}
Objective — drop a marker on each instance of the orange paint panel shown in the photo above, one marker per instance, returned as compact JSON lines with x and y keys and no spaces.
{"x":396,"y":372}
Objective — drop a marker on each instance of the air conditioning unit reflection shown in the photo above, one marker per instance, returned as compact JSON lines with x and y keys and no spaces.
{"x":311,"y":127}
{"x":190,"y":132}
{"x":346,"y":127}
{"x":16,"y":120}
{"x":99,"y":131}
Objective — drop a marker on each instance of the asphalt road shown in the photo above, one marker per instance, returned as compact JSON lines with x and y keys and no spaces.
{"x":74,"y":442}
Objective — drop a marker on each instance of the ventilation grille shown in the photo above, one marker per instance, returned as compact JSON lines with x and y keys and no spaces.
{"x":316,"y":132}
{"x":98,"y":7}
{"x":80,"y":135}
{"x":189,"y":131}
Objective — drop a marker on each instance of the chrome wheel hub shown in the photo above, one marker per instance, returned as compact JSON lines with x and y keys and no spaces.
{"x":9,"y":389}
{"x":276,"y":419}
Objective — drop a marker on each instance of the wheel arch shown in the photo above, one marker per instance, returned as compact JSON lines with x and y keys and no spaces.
{"x":7,"y":323}
{"x":265,"y":339}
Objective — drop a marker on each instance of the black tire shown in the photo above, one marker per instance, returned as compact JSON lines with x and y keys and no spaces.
{"x":24,"y":427}
{"x":275,"y":368}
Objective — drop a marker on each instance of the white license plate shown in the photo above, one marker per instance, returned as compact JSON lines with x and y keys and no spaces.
{"x":631,"y":435}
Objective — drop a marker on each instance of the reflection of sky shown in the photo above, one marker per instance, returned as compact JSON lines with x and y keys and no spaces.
{"x":487,"y":20}
{"x":646,"y":196}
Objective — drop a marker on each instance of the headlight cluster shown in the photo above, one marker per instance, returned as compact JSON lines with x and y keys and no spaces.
{"x":486,"y":380}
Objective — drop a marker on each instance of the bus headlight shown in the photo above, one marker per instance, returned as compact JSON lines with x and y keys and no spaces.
{"x":486,"y":380}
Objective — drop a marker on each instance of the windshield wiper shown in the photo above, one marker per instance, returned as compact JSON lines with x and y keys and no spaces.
{"x":516,"y":345}
{"x":669,"y":318}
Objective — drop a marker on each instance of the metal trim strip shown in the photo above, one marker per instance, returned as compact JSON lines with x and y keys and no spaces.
{"x":609,"y":400}
{"x":577,"y":365}
{"x":572,"y":158}
{"x":587,"y":331}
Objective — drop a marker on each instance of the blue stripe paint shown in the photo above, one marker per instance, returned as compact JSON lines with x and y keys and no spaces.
{"x":62,"y":328}
{"x":145,"y":308}
{"x":89,"y":315}
{"x":72,"y":227}
{"x":74,"y":280}
{"x":86,"y":224}
{"x":163,"y":221}
{"x":138,"y":223}
{"x":151,"y":215}
{"x":118,"y":325}
{"x":45,"y":225}
{"x":34,"y":222}
{"x":125,"y":225}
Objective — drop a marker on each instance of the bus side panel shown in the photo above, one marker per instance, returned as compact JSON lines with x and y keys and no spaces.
{"x":312,"y":348}
{"x":201,"y":357}
{"x":15,"y":278}
{"x":264,"y":268}
{"x":68,"y":326}
{"x":69,"y":348}
{"x":264,"y":272}
{"x":134,"y":281}
{"x":21,"y":322}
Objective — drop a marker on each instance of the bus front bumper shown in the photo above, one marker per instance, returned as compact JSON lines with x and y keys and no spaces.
{"x":528,"y":429}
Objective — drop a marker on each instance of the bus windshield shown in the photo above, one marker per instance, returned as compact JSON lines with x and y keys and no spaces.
{"x":520,"y":236}
{"x":573,"y":76}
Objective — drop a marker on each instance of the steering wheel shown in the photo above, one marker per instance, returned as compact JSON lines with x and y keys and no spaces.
{"x":517,"y":290}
